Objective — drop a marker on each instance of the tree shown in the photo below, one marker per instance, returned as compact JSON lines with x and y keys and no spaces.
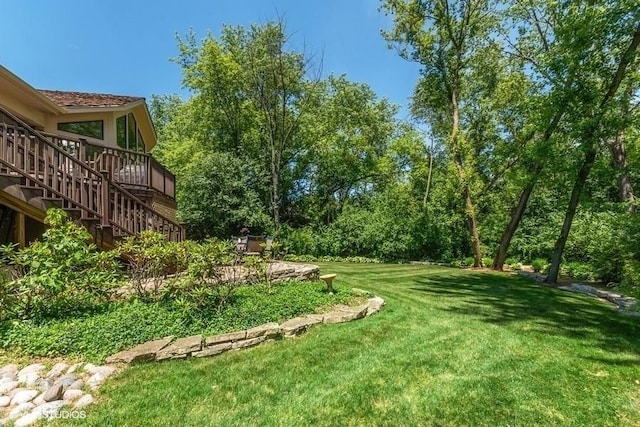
{"x":448,"y":38}
{"x":260,"y":89}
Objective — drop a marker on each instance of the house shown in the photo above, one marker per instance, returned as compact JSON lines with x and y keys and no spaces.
{"x":86,"y":153}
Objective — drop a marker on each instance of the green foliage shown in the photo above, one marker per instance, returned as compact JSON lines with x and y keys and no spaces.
{"x":122,"y":325}
{"x":630,"y":282}
{"x":487,"y":262}
{"x":59,"y":275}
{"x":579,"y":270}
{"x":539,"y":265}
{"x":150,"y":259}
{"x":329,"y":258}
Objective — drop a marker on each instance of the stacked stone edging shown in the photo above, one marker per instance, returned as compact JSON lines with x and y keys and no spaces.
{"x":199,"y":346}
{"x":34,"y":393}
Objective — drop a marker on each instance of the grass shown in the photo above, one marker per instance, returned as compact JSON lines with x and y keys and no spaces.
{"x":451,"y":347}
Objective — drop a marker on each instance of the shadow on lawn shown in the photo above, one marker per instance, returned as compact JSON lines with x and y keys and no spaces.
{"x":500,"y":299}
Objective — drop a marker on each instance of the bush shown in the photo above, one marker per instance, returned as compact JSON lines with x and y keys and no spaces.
{"x":468,"y":261}
{"x":631,"y":278}
{"x":62,"y":274}
{"x":487,"y":262}
{"x":579,"y":270}
{"x":539,"y":265}
{"x":328,"y":258}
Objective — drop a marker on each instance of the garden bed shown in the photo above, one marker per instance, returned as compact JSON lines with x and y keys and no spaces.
{"x":117,"y":326}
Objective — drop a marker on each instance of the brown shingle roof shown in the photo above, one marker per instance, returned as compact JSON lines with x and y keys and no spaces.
{"x":82,"y":99}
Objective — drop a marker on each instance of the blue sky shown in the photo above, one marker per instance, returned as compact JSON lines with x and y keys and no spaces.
{"x":124,"y":46}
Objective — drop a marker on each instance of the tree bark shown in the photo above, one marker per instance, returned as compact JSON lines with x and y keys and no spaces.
{"x":619,"y":157}
{"x":512,"y":226}
{"x":426,"y":192}
{"x":578,"y":186}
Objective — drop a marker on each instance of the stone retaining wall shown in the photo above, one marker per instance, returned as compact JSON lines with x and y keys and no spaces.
{"x":200,"y":346}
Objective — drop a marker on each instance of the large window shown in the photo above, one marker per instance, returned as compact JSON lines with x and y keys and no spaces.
{"x":127,"y":133}
{"x":92,"y":129}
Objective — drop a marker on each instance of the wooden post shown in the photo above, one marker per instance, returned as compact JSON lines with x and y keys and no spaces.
{"x":106,"y":205}
{"x":20,"y":230}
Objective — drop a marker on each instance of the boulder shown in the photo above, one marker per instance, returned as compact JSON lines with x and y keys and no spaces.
{"x":228,"y":337}
{"x":146,"y":351}
{"x":57,"y":370}
{"x":4,"y":401}
{"x":10,"y":368}
{"x":53,"y":393}
{"x":24,"y":396}
{"x":181,"y":348}
{"x":76,"y":385}
{"x":20,"y":410}
{"x":30,"y":379}
{"x":73,"y":368}
{"x":71,"y":395}
{"x":35,"y":367}
{"x":66,"y":380}
{"x":29,"y":419}
{"x":85,"y":400}
{"x":50,"y":409}
{"x":213,"y":350}
{"x":8,"y":386}
{"x":96,"y":380}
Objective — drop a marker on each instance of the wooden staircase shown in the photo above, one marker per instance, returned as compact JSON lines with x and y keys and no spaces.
{"x":53,"y":171}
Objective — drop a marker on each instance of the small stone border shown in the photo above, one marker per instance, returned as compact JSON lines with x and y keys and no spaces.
{"x":34,"y":393}
{"x":199,"y":346}
{"x":625,"y":305}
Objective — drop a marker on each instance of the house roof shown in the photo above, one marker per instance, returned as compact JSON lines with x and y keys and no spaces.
{"x":84,"y":99}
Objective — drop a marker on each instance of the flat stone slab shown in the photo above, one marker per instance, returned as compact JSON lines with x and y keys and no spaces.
{"x":229,"y":337}
{"x":346,"y":314}
{"x":269,"y":330}
{"x":145,"y":351}
{"x":375,"y":305}
{"x":298,"y":325}
{"x":181,"y":348}
{"x":249,"y":342}
{"x":213,"y":350}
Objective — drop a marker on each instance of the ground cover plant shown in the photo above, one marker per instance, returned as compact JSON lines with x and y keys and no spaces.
{"x":451,"y":347}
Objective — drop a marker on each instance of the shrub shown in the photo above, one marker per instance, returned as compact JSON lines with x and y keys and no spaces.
{"x":468,"y":261}
{"x":487,"y":262}
{"x":539,"y":265}
{"x":631,"y":278}
{"x":579,"y":270}
{"x":511,"y":262}
{"x":64,"y":273}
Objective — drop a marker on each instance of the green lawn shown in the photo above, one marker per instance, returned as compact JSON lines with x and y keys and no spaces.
{"x":451,"y":347}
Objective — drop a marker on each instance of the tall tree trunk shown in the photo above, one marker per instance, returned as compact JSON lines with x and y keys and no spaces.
{"x":619,"y":157}
{"x":275,"y":188}
{"x":512,"y":226}
{"x":466,"y":191}
{"x":578,"y":186}
{"x":426,"y":192}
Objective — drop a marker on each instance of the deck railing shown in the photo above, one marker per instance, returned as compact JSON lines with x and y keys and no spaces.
{"x":127,"y":167}
{"x":60,"y":169}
